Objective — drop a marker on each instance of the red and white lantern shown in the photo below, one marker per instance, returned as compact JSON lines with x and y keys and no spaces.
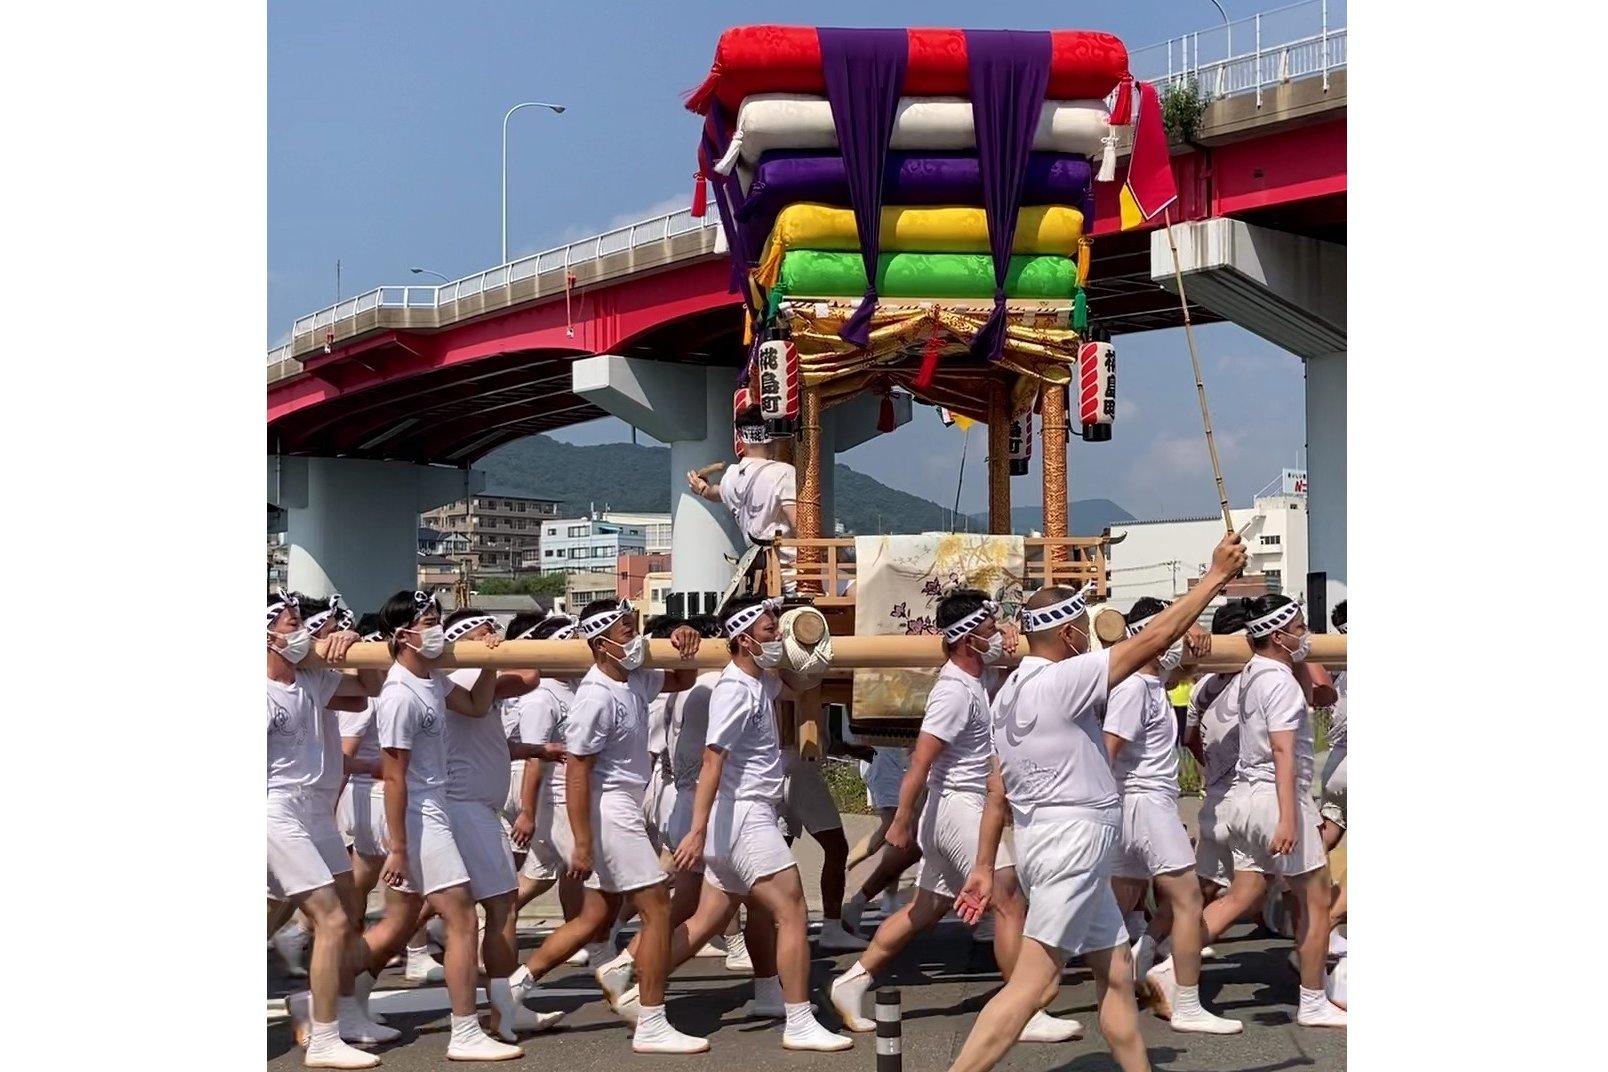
{"x":1097,"y":390}
{"x":776,"y":369}
{"x":1021,"y":443}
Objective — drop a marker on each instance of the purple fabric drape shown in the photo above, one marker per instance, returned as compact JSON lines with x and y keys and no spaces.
{"x":864,"y":73}
{"x":727,"y":194}
{"x":1009,"y":71}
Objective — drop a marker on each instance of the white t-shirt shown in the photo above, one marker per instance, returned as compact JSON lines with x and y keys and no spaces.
{"x":543,"y":713}
{"x":754,"y":490}
{"x":742,"y":724}
{"x":957,"y":714}
{"x":299,"y":732}
{"x":1047,"y":733}
{"x":687,"y":728}
{"x":1271,"y":700}
{"x":1219,"y":722}
{"x":361,"y":724}
{"x":1137,"y":711}
{"x":412,"y":712}
{"x":1337,"y":718}
{"x":656,"y":723}
{"x":609,"y":720}
{"x":477,"y":749}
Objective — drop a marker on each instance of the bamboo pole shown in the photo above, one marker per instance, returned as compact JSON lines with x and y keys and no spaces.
{"x":999,"y":457}
{"x":848,"y":652}
{"x":1200,"y":383}
{"x":1053,"y":434}
{"x":807,"y":461}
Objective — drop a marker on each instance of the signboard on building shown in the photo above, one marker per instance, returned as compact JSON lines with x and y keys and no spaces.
{"x":1295,"y":482}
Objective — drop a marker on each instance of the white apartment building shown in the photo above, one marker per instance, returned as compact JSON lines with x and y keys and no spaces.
{"x":590,"y":544}
{"x":655,"y":526}
{"x":1160,"y":558}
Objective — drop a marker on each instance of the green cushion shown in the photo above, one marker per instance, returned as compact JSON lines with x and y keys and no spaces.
{"x":818,"y":273}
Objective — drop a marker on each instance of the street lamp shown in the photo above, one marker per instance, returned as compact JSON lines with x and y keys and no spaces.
{"x":556,"y":109}
{"x":1228,"y":30}
{"x":426,"y":271}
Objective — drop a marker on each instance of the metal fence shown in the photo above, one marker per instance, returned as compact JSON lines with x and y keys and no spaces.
{"x":1245,"y":56}
{"x":1252,"y":54}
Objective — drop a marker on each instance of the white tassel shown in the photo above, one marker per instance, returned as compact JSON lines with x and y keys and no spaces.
{"x":1108,"y":157}
{"x":733,"y":151}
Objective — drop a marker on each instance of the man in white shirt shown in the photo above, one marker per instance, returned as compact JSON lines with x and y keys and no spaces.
{"x":761,"y":490}
{"x":964,"y":813}
{"x":1140,"y":731}
{"x":1212,"y":735}
{"x":478,"y":754}
{"x":735,"y":828}
{"x":1334,"y":768}
{"x":1047,"y":734}
{"x":606,"y":776}
{"x":424,"y":855}
{"x":1274,"y":822}
{"x":307,"y":862}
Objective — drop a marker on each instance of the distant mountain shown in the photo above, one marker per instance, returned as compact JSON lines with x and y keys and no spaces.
{"x":623,"y":476}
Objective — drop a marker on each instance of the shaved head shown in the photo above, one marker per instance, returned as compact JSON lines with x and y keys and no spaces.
{"x":1044,"y":597}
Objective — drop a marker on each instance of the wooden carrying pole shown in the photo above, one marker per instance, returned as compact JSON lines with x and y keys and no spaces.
{"x":848,"y":652}
{"x":1054,"y":445}
{"x":999,"y":457}
{"x":1200,"y":384}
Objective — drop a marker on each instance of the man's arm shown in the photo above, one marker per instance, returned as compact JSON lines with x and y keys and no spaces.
{"x":901,"y":832}
{"x":691,"y":849}
{"x":530,"y":781}
{"x":351,"y":765}
{"x":686,"y":639}
{"x":1114,"y":746}
{"x":339,"y":702}
{"x":1127,"y":656}
{"x":360,"y":683}
{"x":475,"y":702}
{"x":1193,"y":742}
{"x":1316,"y":683}
{"x":578,"y":805}
{"x":1283,"y":744}
{"x":395,"y":764}
{"x":979,"y":888}
{"x":512,"y":683}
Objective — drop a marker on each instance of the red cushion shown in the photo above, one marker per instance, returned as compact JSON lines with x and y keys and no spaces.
{"x":787,"y":59}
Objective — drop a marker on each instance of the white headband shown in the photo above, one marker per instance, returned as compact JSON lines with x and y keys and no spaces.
{"x":753,"y":433}
{"x":1134,"y":629}
{"x":1057,"y":613}
{"x":564,"y":632}
{"x":1273,"y":620}
{"x":336,"y":607}
{"x":372,"y":637}
{"x":468,"y":625}
{"x":738,"y":623}
{"x":423,"y":601}
{"x":1342,"y":628}
{"x":956,"y":632}
{"x":600,"y":622}
{"x":285,"y":600}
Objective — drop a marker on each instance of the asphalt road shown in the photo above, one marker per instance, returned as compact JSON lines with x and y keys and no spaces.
{"x":944,"y":979}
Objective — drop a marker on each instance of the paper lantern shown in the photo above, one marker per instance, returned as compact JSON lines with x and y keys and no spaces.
{"x":1097,"y":389}
{"x":777,"y":369}
{"x":1021,"y":443}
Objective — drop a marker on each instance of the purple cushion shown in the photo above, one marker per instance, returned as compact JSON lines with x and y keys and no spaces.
{"x":911,"y":178}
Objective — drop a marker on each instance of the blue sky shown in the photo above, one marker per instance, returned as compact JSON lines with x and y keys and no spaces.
{"x":384,"y":126}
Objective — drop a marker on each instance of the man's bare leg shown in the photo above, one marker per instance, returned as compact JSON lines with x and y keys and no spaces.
{"x":1119,"y":1013}
{"x":1244,"y":895}
{"x":1035,"y":980}
{"x":1316,"y":1010}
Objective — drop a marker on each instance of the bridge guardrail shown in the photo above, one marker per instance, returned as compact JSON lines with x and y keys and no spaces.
{"x":1244,"y":56}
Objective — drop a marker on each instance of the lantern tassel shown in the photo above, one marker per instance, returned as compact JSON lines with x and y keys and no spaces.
{"x":1085,"y":253}
{"x":700,"y":193}
{"x":886,"y":421}
{"x":929,"y":356}
{"x":1080,"y":312}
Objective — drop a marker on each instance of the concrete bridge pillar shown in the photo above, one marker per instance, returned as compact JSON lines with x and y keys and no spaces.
{"x":689,"y":407}
{"x":1290,"y":290}
{"x":352,"y":526}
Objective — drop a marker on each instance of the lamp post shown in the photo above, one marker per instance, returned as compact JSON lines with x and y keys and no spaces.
{"x":426,"y":271}
{"x":556,"y":109}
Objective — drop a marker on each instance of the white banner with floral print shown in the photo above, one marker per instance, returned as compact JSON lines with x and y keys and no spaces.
{"x":899,"y":580}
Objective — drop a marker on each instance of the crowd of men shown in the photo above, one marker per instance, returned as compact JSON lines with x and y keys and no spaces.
{"x":667,"y":794}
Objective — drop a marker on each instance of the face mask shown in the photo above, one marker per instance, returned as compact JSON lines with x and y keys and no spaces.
{"x":994,"y":652}
{"x":1172,"y":657}
{"x":769,"y":655}
{"x":632,"y":653}
{"x":432,"y":642}
{"x":297,"y":645}
{"x":1301,"y":649}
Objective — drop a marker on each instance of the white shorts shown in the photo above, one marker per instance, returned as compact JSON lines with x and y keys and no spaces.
{"x":1334,"y":788}
{"x":516,"y":778}
{"x":806,"y":802}
{"x":1154,"y":841}
{"x":305,"y":850}
{"x":658,"y":804}
{"x":1253,"y":815}
{"x":745,"y":845}
{"x":551,"y":842}
{"x":477,"y":830}
{"x":1214,"y":858}
{"x":679,"y":823}
{"x":947,"y":835}
{"x":623,"y":859}
{"x":882,"y":780}
{"x":1064,"y":864}
{"x":434,"y":862}
{"x":360,"y":817}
